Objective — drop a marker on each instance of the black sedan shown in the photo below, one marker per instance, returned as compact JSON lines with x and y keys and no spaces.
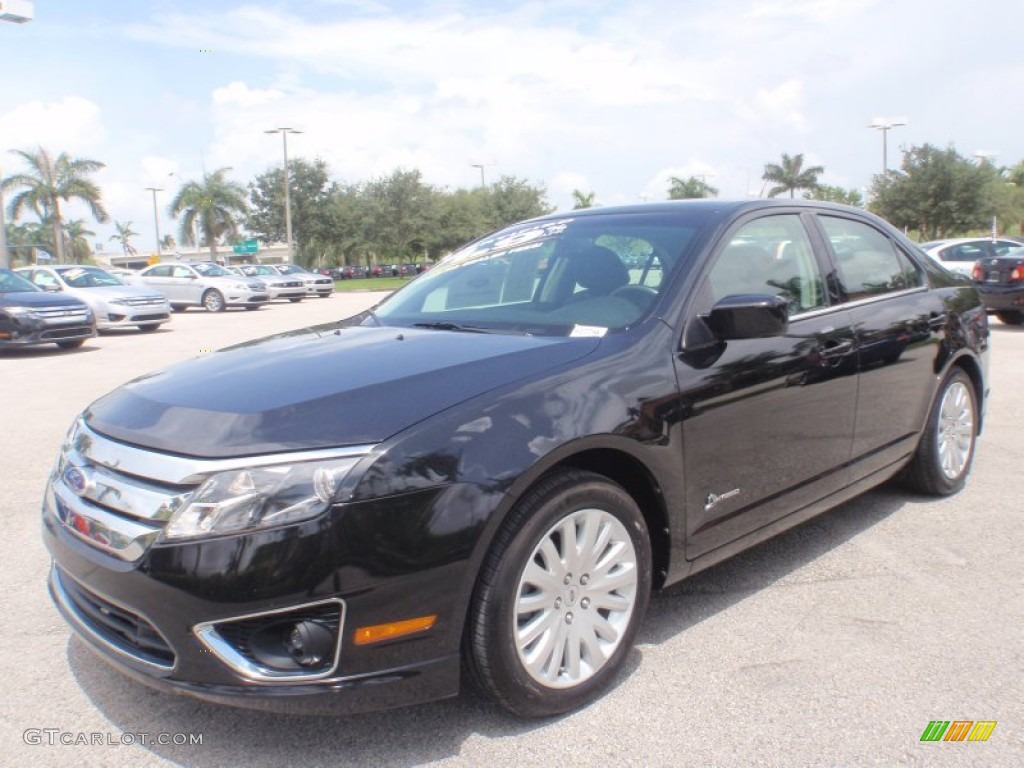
{"x":493,"y":469}
{"x":30,"y":316}
{"x":1000,"y":282}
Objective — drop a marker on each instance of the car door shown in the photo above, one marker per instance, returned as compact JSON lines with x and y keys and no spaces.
{"x":159,"y":279}
{"x":767,"y":422}
{"x":186,"y":284}
{"x":899,"y":325}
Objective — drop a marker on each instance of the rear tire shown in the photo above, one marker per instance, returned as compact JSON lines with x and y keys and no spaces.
{"x":946,"y":451}
{"x":1010,"y":317}
{"x":560,"y":595}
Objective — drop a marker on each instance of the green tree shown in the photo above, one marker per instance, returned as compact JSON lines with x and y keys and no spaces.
{"x":23,"y":240}
{"x":215,"y":205}
{"x":78,"y":240}
{"x":309,"y":189}
{"x":832,"y":194}
{"x":938,"y":192}
{"x":582,"y":200}
{"x":690,"y":188}
{"x":49,"y":181}
{"x":401,"y":210}
{"x":123,"y":236}
{"x":511,"y":199}
{"x":790,"y":175}
{"x":168,"y":242}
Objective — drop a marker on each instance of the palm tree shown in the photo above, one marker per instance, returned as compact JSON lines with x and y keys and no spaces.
{"x":49,"y":181}
{"x":582,"y":200}
{"x":686,"y":189}
{"x":215,"y":204}
{"x":168,"y":242}
{"x":78,"y":240}
{"x":790,"y":175}
{"x":124,"y":235}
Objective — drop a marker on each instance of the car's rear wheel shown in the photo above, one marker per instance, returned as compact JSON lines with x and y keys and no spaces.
{"x":71,"y":343}
{"x":213,"y":300}
{"x":1010,"y":317}
{"x":944,"y":456}
{"x":560,"y":595}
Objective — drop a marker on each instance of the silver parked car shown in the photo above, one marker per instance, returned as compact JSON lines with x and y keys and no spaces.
{"x":960,"y":254}
{"x":115,"y":304}
{"x":279,"y":286}
{"x":316,"y":285}
{"x":204,"y":284}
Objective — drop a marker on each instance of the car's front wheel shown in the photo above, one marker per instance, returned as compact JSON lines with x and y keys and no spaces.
{"x":560,"y":595}
{"x":213,"y":300}
{"x":149,"y":327}
{"x":944,"y":456}
{"x":71,"y":344}
{"x":295,"y":300}
{"x":1010,"y":317}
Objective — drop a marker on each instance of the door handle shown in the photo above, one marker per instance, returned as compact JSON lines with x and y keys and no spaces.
{"x":833,"y":350}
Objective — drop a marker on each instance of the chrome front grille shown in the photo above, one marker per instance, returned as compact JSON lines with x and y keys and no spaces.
{"x":63,"y":314}
{"x":146,"y":301}
{"x":118,"y":498}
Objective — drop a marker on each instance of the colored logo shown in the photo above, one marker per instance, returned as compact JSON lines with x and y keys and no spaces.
{"x":958,"y":730}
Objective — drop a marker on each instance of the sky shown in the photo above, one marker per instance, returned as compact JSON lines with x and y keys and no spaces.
{"x":612,"y":97}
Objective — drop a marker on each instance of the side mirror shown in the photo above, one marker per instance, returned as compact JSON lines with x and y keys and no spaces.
{"x":749,"y":316}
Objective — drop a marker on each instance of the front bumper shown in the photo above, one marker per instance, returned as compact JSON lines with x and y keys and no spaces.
{"x":170,"y":591}
{"x":28,"y":336}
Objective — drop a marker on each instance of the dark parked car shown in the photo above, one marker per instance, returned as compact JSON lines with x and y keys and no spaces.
{"x":1000,"y":282}
{"x":493,"y":468}
{"x":30,"y":316}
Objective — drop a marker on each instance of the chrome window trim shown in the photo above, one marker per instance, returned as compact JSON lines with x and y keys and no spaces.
{"x":207,"y":634}
{"x":84,"y":625}
{"x":858,"y":303}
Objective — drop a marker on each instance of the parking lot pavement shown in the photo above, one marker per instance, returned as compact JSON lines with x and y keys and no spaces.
{"x":834,"y":644}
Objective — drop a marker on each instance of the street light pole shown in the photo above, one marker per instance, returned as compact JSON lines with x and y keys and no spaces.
{"x":156,"y":220}
{"x":5,"y":257}
{"x":886,"y":124}
{"x":481,"y":167}
{"x":287,"y":195}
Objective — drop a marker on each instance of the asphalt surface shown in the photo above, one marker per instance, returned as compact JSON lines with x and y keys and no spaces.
{"x":834,"y":644}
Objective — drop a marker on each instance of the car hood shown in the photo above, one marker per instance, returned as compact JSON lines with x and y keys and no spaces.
{"x":109,"y":292}
{"x":37,"y":299}
{"x":318,"y":388}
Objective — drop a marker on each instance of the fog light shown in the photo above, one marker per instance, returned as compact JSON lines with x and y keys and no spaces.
{"x":310,"y":643}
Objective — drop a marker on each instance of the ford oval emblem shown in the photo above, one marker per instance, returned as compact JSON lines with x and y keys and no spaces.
{"x":76,"y":480}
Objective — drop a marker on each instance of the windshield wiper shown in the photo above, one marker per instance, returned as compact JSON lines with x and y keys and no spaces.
{"x":445,"y":326}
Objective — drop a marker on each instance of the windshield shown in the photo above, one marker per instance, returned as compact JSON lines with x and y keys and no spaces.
{"x":12,"y":283}
{"x":87,"y":277}
{"x":289,"y":269}
{"x":253,"y":271}
{"x":211,"y":270}
{"x":570,"y":276}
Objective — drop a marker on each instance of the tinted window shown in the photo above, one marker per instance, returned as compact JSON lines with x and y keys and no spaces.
{"x":965,"y":252}
{"x":771,"y":255}
{"x":181,"y":272}
{"x":869,"y":262}
{"x":162,"y":270}
{"x":10,"y":282}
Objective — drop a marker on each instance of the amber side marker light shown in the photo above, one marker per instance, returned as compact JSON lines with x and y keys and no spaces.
{"x":379,"y":632}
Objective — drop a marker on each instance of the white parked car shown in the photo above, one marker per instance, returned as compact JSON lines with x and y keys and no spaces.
{"x":279,"y":286}
{"x":114,"y":303}
{"x":959,"y":254}
{"x":316,"y":285}
{"x":204,"y":284}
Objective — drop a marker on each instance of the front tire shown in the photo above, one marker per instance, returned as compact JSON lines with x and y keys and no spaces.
{"x":295,"y":300}
{"x":1010,"y":317}
{"x":73,"y":344}
{"x":213,"y":300}
{"x":560,"y":595}
{"x":946,"y":451}
{"x":149,"y":328}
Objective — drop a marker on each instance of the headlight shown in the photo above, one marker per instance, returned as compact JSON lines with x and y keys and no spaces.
{"x":119,"y":302}
{"x":261,"y":497}
{"x":22,"y":313}
{"x":240,"y":287}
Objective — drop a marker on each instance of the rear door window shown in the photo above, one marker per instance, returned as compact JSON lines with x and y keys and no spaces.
{"x":869,"y":262}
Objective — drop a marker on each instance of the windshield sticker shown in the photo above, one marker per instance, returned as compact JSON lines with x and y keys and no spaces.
{"x":72,"y":274}
{"x":588,"y":331}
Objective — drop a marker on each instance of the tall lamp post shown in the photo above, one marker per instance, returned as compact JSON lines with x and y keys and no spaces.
{"x":156,"y":220}
{"x":886,"y":124}
{"x":5,"y":257}
{"x":481,"y":166}
{"x":287,"y":195}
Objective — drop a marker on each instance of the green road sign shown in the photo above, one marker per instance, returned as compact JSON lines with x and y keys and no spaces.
{"x":246,"y":246}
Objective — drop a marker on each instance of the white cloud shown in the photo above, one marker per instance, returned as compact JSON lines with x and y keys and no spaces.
{"x":72,"y":125}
